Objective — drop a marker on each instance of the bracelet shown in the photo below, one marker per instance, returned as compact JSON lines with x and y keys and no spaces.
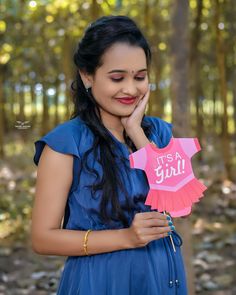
{"x":86,"y":241}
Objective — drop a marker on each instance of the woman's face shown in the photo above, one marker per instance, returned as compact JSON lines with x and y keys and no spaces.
{"x":121,"y":81}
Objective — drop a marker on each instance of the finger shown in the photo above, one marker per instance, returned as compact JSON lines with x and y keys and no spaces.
{"x":157,"y":237}
{"x":145,"y":233}
{"x":156,"y":222}
{"x":143,"y":101}
{"x":141,"y":106}
{"x":145,"y":98}
{"x":152,"y":215}
{"x":158,"y":230}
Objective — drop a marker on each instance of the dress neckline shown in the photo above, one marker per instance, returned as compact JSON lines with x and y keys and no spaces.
{"x":123,"y":145}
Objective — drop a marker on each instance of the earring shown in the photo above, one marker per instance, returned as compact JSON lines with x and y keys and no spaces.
{"x":87,"y":88}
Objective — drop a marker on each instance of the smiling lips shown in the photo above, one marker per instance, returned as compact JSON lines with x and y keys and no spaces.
{"x":127,"y":97}
{"x":127,"y":100}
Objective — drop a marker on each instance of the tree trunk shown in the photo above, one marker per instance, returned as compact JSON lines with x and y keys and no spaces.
{"x":152,"y":19}
{"x":1,"y":112}
{"x":22,"y":104}
{"x":68,"y":72}
{"x":215,"y":117}
{"x":33,"y":105}
{"x":220,"y":56}
{"x":181,"y":110}
{"x":11,"y":93}
{"x":195,"y":82}
{"x":45,"y":123}
{"x":234,"y":103}
{"x":56,"y":103}
{"x":147,"y":17}
{"x":95,"y":10}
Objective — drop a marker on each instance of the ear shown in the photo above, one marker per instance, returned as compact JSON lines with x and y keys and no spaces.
{"x":86,"y":78}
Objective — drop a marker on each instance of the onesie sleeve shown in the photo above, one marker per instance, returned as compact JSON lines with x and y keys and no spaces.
{"x":62,"y":140}
{"x":138,"y":159}
{"x":190,"y":146}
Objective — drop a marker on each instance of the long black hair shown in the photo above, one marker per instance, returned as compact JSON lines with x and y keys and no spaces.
{"x":98,"y":37}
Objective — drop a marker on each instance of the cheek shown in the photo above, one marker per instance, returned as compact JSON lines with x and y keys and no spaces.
{"x":144,"y":87}
{"x":100,"y":92}
{"x":106,"y":88}
{"x":112,"y":88}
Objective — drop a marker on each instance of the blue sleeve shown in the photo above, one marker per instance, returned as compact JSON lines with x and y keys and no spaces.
{"x":162,"y":131}
{"x":62,"y":140}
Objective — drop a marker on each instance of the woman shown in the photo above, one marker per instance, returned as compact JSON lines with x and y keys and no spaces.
{"x":115,"y":243}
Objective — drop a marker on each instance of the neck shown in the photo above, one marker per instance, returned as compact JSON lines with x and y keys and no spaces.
{"x":112,"y":123}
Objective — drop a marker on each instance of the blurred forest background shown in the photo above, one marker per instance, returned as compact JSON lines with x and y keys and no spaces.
{"x":194,"y":87}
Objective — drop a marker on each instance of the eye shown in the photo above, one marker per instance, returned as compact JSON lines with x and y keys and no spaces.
{"x":140,"y":78}
{"x":119,"y":79}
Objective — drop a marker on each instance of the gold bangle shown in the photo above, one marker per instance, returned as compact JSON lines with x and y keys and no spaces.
{"x":86,"y":242}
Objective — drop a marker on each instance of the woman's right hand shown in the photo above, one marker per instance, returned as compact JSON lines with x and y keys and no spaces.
{"x":149,"y":226}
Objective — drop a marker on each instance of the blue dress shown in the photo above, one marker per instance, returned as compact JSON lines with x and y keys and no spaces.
{"x":154,"y":269}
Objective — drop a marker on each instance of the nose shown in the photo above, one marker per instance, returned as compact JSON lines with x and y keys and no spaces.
{"x":130,"y":88}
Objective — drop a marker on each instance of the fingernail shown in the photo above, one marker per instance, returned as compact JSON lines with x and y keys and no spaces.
{"x":169,"y":233}
{"x":170,"y":223}
{"x":168,"y":217}
{"x":172,"y":227}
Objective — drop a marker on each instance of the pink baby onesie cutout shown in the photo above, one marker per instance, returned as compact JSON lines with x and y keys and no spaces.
{"x":173,"y":186}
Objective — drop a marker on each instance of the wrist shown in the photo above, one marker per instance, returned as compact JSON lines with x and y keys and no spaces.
{"x":138,"y":137}
{"x":126,"y":239}
{"x":134,"y":131}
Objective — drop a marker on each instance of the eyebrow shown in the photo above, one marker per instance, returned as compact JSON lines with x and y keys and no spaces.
{"x":123,"y":71}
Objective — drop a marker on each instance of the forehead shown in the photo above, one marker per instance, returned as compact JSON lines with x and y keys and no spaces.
{"x":125,"y":57}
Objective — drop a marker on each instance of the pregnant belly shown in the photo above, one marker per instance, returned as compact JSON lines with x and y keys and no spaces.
{"x":144,"y":270}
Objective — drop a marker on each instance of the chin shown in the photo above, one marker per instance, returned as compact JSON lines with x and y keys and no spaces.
{"x":126,"y":113}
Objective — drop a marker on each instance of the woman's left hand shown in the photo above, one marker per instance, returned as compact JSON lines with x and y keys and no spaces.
{"x":134,"y":120}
